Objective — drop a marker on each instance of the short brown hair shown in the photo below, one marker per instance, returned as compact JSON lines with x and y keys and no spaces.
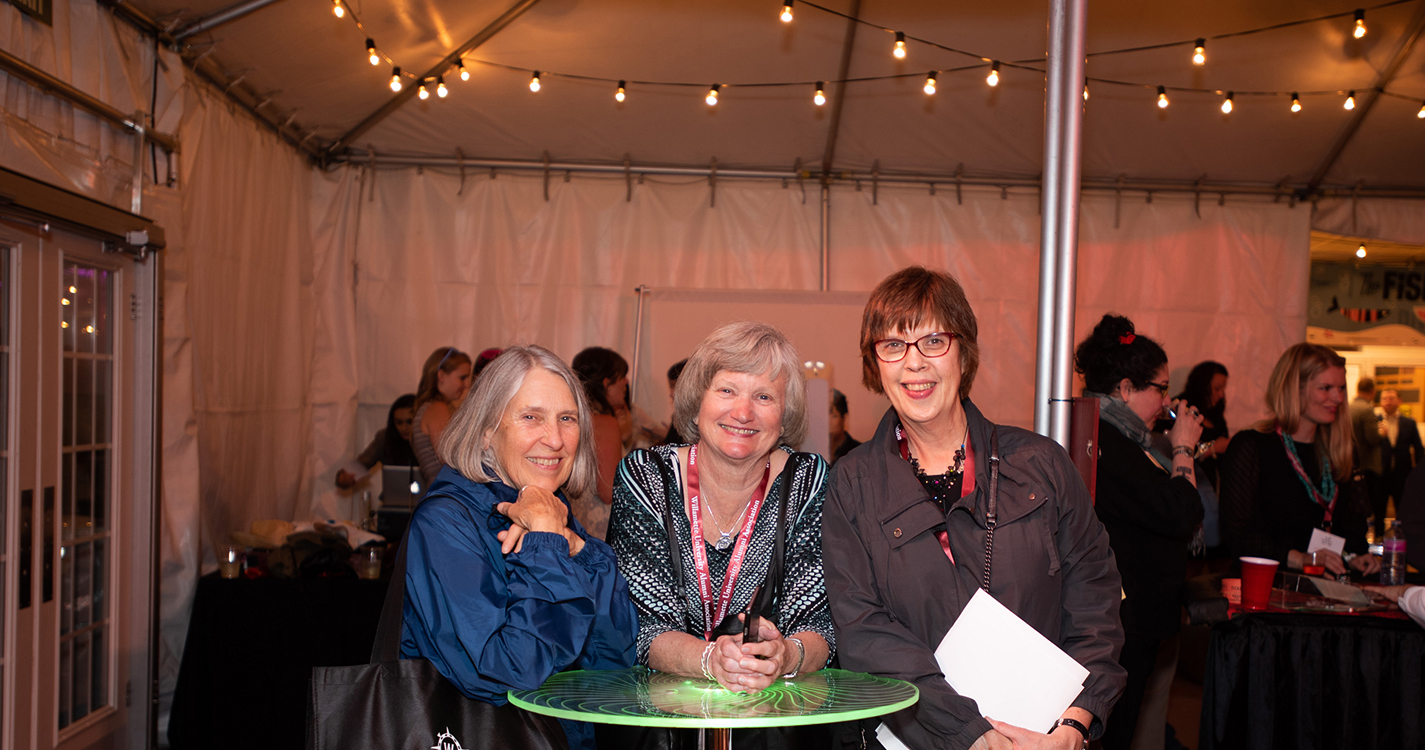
{"x":905,"y":300}
{"x":749,"y":347}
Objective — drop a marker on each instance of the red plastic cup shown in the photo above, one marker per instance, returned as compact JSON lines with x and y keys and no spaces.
{"x":1257,"y":575}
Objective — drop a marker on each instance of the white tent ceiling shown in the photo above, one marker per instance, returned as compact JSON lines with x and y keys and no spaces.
{"x":314,"y":65}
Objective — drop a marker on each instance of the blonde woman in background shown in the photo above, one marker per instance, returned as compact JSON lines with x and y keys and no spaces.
{"x":444,"y":380}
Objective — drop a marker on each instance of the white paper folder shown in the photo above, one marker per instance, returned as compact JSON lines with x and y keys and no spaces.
{"x":1015,"y":674}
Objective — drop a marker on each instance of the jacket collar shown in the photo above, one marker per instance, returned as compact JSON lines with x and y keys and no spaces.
{"x":481,"y":496}
{"x":904,"y":490}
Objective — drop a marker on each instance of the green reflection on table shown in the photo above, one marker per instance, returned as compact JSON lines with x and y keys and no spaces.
{"x":642,"y":697}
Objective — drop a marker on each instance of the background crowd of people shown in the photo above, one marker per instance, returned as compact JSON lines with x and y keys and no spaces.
{"x":532,"y":463}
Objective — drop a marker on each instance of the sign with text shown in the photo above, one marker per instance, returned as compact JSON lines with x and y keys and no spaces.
{"x":1353,"y":297}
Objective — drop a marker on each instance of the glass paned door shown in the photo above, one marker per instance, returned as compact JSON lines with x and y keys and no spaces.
{"x":72,"y":458}
{"x":86,"y":329}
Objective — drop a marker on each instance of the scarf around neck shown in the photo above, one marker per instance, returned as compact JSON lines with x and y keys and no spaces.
{"x":1116,"y":412}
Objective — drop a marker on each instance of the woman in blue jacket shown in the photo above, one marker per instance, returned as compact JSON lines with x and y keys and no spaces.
{"x":503,"y":586}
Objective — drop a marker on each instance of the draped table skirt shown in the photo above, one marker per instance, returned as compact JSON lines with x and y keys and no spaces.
{"x":1314,"y":681}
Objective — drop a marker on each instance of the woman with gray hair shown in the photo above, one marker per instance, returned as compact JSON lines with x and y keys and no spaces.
{"x":503,"y":586}
{"x":741,"y":401}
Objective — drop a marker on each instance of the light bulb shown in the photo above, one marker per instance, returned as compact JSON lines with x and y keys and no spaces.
{"x":1421,"y":113}
{"x":1086,"y":92}
{"x":1227,"y":104}
{"x":373,"y":55}
{"x":1295,"y":102}
{"x":1162,"y":98}
{"x":423,"y":93}
{"x":1199,"y":52}
{"x":1361,"y":251}
{"x":396,"y":78}
{"x":440,"y":89}
{"x":1360,"y":30}
{"x":337,"y":10}
{"x":820,"y":96}
{"x":993,"y":78}
{"x":712,"y":95}
{"x":787,"y":12}
{"x":464,"y":74}
{"x":620,"y":95}
{"x":415,"y":488}
{"x":534,"y":82}
{"x":1350,"y":101}
{"x":930,"y":83}
{"x":899,"y":50}
{"x":72,"y":290}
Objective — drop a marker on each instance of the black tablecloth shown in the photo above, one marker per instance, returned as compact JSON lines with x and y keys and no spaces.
{"x":1314,"y":681}
{"x":243,"y":683}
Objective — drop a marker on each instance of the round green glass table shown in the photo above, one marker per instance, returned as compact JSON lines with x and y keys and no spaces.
{"x":642,"y":697}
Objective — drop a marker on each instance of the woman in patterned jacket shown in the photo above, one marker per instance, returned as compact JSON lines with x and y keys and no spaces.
{"x":740,"y":401}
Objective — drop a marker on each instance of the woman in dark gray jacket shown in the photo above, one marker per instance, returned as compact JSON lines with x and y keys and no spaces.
{"x":904,"y":529}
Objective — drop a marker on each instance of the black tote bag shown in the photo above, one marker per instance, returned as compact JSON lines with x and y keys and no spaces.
{"x":405,"y":704}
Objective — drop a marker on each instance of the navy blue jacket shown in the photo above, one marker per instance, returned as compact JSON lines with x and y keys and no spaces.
{"x":492,"y":623}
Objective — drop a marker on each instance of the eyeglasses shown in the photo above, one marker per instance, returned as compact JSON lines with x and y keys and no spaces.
{"x":1162,"y":387}
{"x":929,"y":345}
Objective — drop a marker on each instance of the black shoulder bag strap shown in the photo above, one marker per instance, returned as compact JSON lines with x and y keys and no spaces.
{"x":387,"y":646}
{"x":990,"y":516}
{"x":771,"y":605}
{"x":675,"y":552}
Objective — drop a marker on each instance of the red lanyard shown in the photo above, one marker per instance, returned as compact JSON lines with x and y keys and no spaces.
{"x":967,"y":472}
{"x":711,"y":619}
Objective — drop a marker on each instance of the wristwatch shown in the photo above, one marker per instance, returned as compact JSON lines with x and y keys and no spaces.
{"x":1076,"y":724}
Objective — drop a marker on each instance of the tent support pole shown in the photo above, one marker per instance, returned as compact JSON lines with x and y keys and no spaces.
{"x":825,"y":236}
{"x":918,"y":180}
{"x":221,"y":17}
{"x":1072,"y":112}
{"x":641,"y":290}
{"x":1049,"y":216}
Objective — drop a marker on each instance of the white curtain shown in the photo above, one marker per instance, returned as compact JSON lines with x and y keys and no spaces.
{"x":493,"y":263}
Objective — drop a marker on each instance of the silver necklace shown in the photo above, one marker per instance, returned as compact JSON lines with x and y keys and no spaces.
{"x":724,"y":538}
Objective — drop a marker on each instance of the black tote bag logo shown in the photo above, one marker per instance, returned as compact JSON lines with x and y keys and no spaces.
{"x":446,"y":741}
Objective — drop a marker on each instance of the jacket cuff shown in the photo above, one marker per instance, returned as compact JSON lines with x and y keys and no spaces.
{"x":972,"y":731}
{"x":546,"y":540}
{"x":1095,"y":708}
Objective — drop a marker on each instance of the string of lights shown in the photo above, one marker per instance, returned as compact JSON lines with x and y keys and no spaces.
{"x":900,"y":50}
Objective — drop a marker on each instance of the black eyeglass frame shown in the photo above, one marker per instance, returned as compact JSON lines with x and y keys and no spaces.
{"x":875,"y":346}
{"x":1162,"y":387}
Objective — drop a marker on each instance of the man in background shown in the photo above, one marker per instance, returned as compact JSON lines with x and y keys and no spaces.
{"x":674,"y":372}
{"x":1366,"y":426}
{"x":1401,"y":450}
{"x":841,"y":443}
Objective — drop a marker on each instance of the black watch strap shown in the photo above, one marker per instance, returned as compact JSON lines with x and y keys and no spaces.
{"x":1076,"y":724}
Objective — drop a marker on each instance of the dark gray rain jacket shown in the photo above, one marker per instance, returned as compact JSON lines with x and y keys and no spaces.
{"x":894,"y":594}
